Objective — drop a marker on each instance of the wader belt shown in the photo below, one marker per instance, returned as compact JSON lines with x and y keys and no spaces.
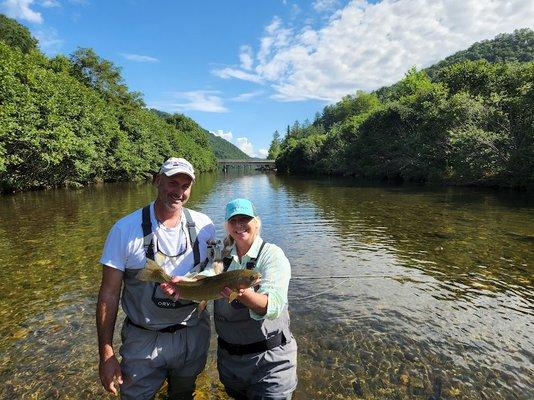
{"x":250,"y":265}
{"x":168,"y":329}
{"x":148,"y":243}
{"x":258,"y":347}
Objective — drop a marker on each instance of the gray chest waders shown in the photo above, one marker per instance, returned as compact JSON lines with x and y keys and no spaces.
{"x":262,"y":335}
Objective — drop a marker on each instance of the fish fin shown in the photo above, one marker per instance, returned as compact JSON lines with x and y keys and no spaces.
{"x":201,"y":307}
{"x":189,"y":279}
{"x":159,"y":257}
{"x":218,"y":267}
{"x":152,"y":272}
{"x":233,"y":296}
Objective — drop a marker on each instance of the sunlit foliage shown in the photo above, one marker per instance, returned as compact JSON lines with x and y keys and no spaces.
{"x":472,"y":123}
{"x":72,"y":121}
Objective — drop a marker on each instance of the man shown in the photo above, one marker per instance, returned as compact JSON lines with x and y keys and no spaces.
{"x":161,"y":338}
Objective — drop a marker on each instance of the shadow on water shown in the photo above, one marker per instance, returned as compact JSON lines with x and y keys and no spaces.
{"x":448,"y":314}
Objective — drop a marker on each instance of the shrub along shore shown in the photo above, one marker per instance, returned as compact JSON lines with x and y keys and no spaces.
{"x":468,"y":120}
{"x":72,"y":121}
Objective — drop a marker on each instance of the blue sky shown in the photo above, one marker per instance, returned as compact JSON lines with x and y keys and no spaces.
{"x":243,"y":68}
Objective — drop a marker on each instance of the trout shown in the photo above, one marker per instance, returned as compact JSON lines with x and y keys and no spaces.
{"x":201,"y":288}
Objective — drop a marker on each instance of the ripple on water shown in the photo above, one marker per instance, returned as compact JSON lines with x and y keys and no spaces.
{"x":439,"y":303}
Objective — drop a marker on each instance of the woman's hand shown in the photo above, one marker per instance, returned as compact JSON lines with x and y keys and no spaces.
{"x":226,"y":292}
{"x":257,"y":302}
{"x":170,"y":289}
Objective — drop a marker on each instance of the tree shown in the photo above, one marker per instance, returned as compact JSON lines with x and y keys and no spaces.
{"x":190,"y":128}
{"x":16,"y":35}
{"x":275,"y":147}
{"x":103,"y":76}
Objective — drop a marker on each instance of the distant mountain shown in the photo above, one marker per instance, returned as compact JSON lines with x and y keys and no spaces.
{"x":223,"y":149}
{"x":507,"y":47}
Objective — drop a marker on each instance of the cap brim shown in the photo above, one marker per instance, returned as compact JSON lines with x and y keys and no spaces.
{"x":179,"y":171}
{"x":239,"y":212}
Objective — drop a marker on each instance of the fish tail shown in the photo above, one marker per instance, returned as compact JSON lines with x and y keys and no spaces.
{"x":152,"y":272}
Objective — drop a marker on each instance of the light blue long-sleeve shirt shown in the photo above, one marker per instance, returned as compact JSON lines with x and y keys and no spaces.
{"x":275,"y":272}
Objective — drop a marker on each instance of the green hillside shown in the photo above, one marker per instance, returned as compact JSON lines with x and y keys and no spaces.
{"x":470,"y":123}
{"x":223,"y":149}
{"x":507,"y":47}
{"x":72,"y":120}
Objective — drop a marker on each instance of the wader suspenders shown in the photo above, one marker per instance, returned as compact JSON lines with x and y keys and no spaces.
{"x":250,"y":265}
{"x":148,"y":236}
{"x":148,"y":244}
{"x":193,"y":237}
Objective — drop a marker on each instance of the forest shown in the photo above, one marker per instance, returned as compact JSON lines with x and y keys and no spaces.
{"x":69,"y":121}
{"x":467,"y":120}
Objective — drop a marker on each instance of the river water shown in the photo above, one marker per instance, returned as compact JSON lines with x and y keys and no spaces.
{"x":438,"y":303}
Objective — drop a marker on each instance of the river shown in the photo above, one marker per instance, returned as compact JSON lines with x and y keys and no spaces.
{"x":438,"y":303}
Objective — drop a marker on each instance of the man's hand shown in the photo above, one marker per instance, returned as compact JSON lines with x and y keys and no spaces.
{"x":110,"y":373}
{"x":170,"y":289}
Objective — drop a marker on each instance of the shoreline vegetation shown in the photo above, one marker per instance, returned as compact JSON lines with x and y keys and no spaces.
{"x":468,"y":120}
{"x":72,"y":121}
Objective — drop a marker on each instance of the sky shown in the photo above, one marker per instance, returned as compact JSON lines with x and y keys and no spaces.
{"x":245,"y":68}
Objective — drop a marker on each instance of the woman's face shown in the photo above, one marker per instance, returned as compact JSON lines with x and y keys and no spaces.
{"x":243,"y":229}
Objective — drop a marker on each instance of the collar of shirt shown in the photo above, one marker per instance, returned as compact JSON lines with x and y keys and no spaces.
{"x":251,"y":253}
{"x":155,"y":222}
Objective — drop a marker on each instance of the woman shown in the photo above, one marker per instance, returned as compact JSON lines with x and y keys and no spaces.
{"x":257,"y":354}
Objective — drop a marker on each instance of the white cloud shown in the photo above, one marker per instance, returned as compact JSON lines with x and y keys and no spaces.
{"x":245,"y":146}
{"x":20,"y":9}
{"x":139,"y":58}
{"x":200,"y":100}
{"x":246,"y":57}
{"x":242,"y":143}
{"x":226,"y":136}
{"x":49,"y":3}
{"x":49,"y":40}
{"x":324,"y":5}
{"x":227,"y":73}
{"x":247,"y":96}
{"x":369,"y":45}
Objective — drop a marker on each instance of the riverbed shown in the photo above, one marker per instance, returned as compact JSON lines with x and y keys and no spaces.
{"x":417,"y":292}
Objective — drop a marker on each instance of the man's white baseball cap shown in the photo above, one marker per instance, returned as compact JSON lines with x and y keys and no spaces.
{"x":175,"y":166}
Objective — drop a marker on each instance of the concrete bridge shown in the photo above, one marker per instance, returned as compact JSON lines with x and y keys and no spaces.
{"x":262,"y":165}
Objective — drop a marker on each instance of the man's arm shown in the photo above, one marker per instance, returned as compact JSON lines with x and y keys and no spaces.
{"x":106,"y":315}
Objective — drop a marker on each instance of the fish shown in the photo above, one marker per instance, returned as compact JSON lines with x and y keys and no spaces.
{"x":200,"y":288}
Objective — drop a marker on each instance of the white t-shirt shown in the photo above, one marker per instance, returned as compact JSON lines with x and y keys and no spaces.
{"x":124,"y":245}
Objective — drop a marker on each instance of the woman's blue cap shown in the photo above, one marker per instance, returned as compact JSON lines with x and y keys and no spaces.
{"x":239,"y":207}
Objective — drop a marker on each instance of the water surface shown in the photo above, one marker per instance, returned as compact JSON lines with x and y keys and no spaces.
{"x":439,"y":303}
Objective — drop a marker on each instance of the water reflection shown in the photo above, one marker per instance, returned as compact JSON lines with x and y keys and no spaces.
{"x":454,"y":319}
{"x":440,"y":305}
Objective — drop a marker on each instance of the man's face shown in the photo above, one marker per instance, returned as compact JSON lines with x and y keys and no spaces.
{"x":173,"y":191}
